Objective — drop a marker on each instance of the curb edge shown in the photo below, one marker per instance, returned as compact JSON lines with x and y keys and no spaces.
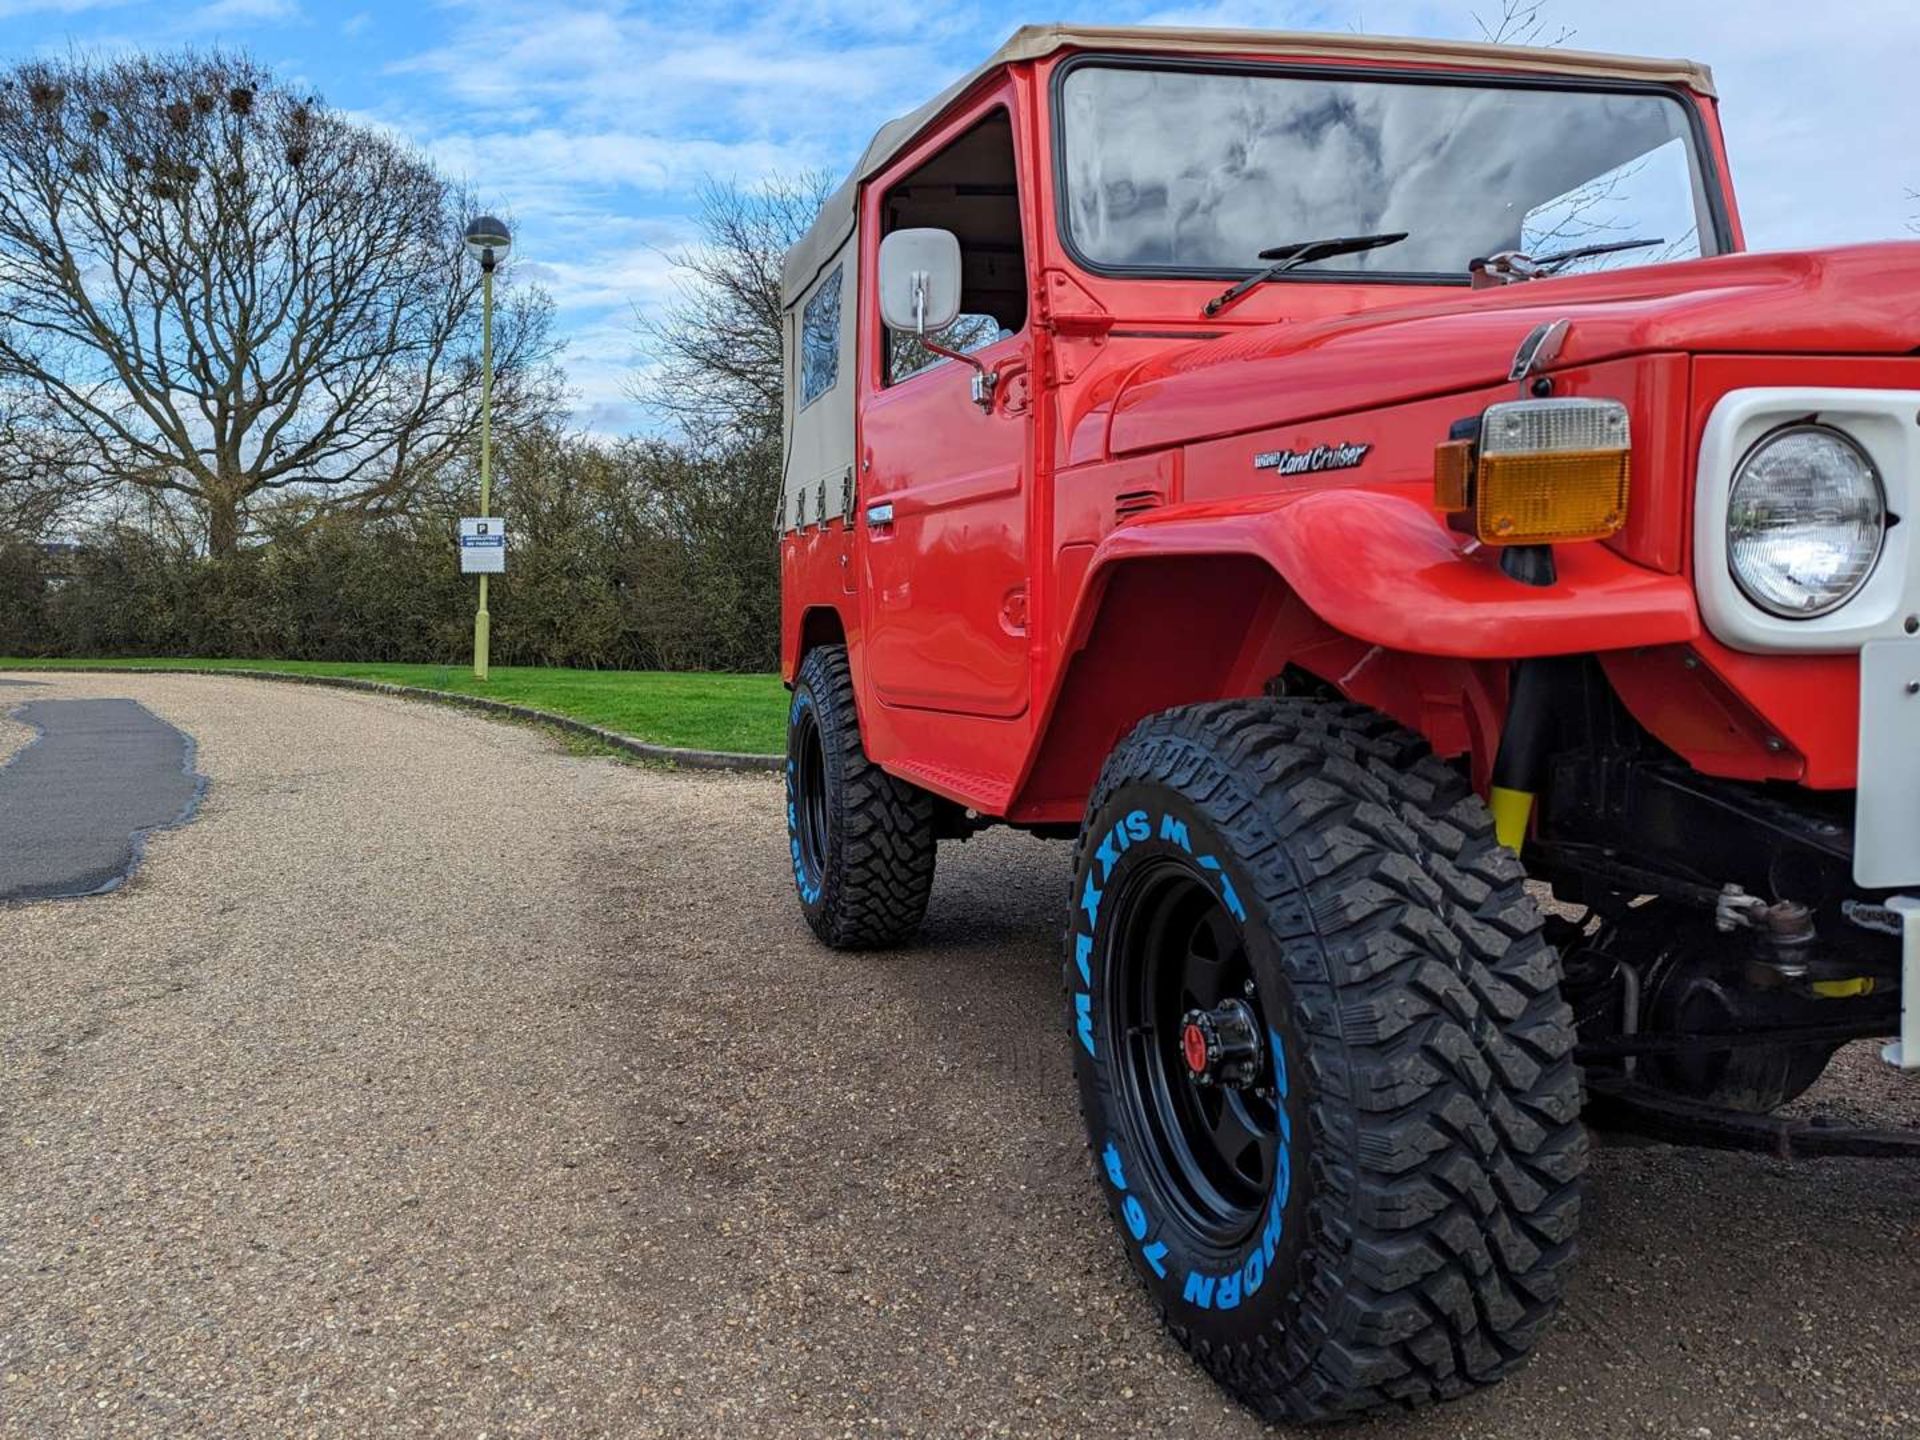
{"x":669,"y":754}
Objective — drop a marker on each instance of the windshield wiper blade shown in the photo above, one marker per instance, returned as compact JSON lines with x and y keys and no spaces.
{"x":1551,"y":263}
{"x":1291,"y":257}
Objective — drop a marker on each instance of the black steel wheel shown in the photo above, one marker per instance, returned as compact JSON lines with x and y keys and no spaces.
{"x":1190,"y":1031}
{"x":861,"y":841}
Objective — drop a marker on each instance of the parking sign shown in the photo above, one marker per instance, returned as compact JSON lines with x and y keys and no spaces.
{"x":483,"y":545}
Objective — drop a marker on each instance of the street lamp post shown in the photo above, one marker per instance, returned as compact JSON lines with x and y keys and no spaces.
{"x":488,"y":240}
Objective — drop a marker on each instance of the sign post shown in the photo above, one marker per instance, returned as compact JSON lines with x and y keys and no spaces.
{"x":482,"y":622}
{"x":487,"y":239}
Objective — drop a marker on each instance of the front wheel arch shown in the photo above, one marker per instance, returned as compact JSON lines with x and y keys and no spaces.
{"x":1161,"y":631}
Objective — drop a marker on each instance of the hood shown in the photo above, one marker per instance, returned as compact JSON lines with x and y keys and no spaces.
{"x":1862,"y":300}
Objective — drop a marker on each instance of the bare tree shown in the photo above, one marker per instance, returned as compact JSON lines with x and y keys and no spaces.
{"x":1523,"y":22}
{"x":214,"y":288}
{"x":716,"y":348}
{"x":1913,"y":220}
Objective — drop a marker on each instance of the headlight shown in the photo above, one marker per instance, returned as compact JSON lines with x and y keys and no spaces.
{"x":1805,"y":522}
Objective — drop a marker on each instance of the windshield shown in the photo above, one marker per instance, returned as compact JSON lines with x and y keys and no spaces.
{"x":1198,"y":171}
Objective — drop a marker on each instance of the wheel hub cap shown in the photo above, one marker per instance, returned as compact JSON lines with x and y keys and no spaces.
{"x":1222,"y":1046}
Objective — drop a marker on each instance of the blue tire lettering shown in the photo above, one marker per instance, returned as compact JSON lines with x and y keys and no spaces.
{"x":1090,"y":902}
{"x":1156,"y":1255}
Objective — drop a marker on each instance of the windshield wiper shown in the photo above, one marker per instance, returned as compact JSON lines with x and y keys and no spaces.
{"x":1550,"y":263}
{"x":1509,"y":267}
{"x":1292,"y":257}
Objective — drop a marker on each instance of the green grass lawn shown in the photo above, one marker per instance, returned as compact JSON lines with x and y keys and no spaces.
{"x":744,"y":713}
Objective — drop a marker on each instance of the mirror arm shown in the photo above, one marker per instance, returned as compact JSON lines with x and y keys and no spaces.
{"x":984,"y":380}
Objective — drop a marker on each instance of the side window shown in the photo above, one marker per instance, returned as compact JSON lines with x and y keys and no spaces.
{"x":968,"y":188}
{"x":820,"y":340}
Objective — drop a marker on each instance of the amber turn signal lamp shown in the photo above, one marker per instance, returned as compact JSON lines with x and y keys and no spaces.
{"x":1544,"y":471}
{"x":1541,"y":499}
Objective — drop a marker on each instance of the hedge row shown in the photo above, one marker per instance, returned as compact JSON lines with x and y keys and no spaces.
{"x":630,"y":556}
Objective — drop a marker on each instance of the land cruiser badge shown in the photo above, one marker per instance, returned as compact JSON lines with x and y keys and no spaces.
{"x":1312,"y":462}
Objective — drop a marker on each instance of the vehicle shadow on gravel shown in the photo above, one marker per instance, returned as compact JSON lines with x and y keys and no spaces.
{"x":859,"y":1195}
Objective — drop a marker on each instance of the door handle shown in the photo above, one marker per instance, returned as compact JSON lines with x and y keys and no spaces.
{"x":881,"y":514}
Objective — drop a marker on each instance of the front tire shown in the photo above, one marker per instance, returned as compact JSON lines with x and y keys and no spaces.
{"x":1374,"y":1204}
{"x":861,"y":841}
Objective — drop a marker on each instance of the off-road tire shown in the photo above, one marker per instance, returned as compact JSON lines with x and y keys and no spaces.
{"x":864,"y":867}
{"x":1422,"y":1217}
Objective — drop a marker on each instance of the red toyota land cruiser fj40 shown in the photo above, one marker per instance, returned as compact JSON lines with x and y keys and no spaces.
{"x":1338,"y":479}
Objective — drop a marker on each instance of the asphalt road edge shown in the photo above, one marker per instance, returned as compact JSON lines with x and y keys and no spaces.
{"x":642,"y":749}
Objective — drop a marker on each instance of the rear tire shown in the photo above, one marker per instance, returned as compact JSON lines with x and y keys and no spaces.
{"x":1390,"y":1215}
{"x":861,"y":841}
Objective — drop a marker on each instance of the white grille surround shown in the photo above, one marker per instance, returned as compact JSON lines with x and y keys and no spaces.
{"x":1886,"y":425}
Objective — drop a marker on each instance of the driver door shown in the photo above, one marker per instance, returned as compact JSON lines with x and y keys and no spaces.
{"x":944,"y":484}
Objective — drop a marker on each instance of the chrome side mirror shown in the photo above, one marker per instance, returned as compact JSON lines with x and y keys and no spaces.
{"x":920,"y":286}
{"x":920,"y":281}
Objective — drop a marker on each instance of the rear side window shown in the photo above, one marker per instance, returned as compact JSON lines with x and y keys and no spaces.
{"x":820,"y":340}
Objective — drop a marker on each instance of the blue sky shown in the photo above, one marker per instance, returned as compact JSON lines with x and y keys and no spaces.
{"x":593,"y":122}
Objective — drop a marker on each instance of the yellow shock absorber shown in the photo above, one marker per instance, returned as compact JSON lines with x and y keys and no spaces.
{"x":1512,"y":809}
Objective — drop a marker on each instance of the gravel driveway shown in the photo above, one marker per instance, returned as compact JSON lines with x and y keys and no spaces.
{"x":435,"y":1080}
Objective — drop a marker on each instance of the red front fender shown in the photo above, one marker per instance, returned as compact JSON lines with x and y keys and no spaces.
{"x":1384,"y":570}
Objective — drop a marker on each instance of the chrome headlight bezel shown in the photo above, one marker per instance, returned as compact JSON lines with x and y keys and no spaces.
{"x":1872,"y":499}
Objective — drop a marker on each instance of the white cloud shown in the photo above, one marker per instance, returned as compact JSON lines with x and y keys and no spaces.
{"x":21,"y":9}
{"x":241,"y":13}
{"x":552,"y":157}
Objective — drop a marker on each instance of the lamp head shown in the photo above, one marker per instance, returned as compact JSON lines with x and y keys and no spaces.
{"x":488,"y":240}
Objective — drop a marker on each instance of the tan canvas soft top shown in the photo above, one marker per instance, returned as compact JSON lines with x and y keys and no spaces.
{"x":1032,"y":42}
